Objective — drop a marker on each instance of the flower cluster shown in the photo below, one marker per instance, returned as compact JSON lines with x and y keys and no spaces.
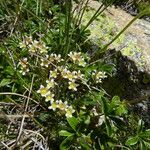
{"x":59,"y":71}
{"x":24,"y":66}
{"x":51,"y":59}
{"x":47,"y":93}
{"x":63,"y":106}
{"x":72,"y":77}
{"x":26,"y":42}
{"x":34,"y":45}
{"x":67,"y":74}
{"x":55,"y":58}
{"x":98,"y":76}
{"x":77,"y":58}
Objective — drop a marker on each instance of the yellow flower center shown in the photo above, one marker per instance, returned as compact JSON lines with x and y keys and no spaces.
{"x":72,"y":85}
{"x":61,"y":106}
{"x":70,"y":76}
{"x":54,"y":105}
{"x":53,"y":74}
{"x":44,"y":91}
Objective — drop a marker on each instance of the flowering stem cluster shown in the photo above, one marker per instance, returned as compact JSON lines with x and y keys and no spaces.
{"x":24,"y":66}
{"x":62,"y":74}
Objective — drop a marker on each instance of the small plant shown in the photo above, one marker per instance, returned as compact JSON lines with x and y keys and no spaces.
{"x":140,"y":139}
{"x":67,"y":74}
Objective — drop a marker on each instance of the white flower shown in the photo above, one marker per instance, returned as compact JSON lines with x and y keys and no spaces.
{"x":64,"y":72}
{"x":73,"y":85}
{"x":50,"y":83}
{"x":60,"y":68}
{"x":79,"y":74}
{"x":101,"y":120}
{"x":23,"y":62}
{"x":49,"y":97}
{"x":22,"y":45}
{"x":24,"y":66}
{"x":94,"y":111}
{"x":99,"y":76}
{"x":32,"y":48}
{"x":45,"y":62}
{"x":53,"y":74}
{"x":53,"y":106}
{"x":43,"y":49}
{"x":69,"y":112}
{"x":28,"y":40}
{"x":51,"y":58}
{"x":61,"y":105}
{"x":75,"y":56}
{"x":35,"y":43}
{"x":23,"y":71}
{"x":25,"y":42}
{"x":70,"y":75}
{"x":54,"y":57}
{"x":44,"y":91}
{"x":40,"y":46}
{"x":58,"y":58}
{"x":82,"y":63}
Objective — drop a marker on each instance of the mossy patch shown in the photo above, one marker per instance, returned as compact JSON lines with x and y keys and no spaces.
{"x":135,"y":53}
{"x":103,"y":29}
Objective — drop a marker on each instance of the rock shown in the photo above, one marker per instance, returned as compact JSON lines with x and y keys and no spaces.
{"x":136,"y":39}
{"x":132,"y":56}
{"x":137,"y":34}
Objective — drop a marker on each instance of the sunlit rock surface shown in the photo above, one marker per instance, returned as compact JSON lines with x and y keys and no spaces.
{"x":132,"y":81}
{"x":134,"y":43}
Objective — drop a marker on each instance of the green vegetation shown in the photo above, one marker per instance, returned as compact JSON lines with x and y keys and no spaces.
{"x":51,"y":81}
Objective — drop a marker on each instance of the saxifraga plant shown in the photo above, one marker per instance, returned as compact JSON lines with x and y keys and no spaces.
{"x":50,"y":77}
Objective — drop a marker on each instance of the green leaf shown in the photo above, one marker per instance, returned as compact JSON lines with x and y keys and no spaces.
{"x":147,"y":144}
{"x":143,"y":146}
{"x":105,"y":105}
{"x":140,"y":125}
{"x":115,"y":101}
{"x":118,"y":122}
{"x":107,"y":67}
{"x":5,"y":82}
{"x":145,"y":133}
{"x":89,"y":69}
{"x":87,"y":120}
{"x":132,"y":141}
{"x":65,"y":133}
{"x":146,"y":11}
{"x":9,"y":70}
{"x":73,"y":122}
{"x":121,"y":110}
{"x":84,"y":142}
{"x":108,"y":126}
{"x":65,"y":145}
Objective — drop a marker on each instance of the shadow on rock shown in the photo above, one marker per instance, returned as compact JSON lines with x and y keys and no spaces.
{"x":129,"y":83}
